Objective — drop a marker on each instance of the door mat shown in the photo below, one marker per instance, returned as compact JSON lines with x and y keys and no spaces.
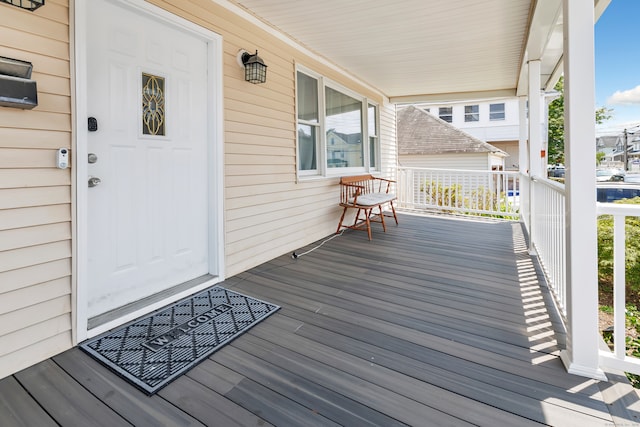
{"x":152,"y":351}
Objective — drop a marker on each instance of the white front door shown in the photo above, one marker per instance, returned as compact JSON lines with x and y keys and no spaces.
{"x":147,"y":217}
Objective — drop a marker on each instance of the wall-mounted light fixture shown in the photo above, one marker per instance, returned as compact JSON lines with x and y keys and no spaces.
{"x":25,"y":4}
{"x":255,"y":70}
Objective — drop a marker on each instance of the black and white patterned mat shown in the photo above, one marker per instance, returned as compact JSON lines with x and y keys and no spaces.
{"x":152,"y":351}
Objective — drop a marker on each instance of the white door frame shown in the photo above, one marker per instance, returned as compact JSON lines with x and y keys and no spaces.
{"x":215,"y":161}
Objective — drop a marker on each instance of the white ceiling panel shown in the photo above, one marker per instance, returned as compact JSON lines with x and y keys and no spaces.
{"x":408,"y":48}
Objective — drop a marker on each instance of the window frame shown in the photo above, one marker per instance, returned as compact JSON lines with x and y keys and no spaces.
{"x":503,"y":112}
{"x":473,"y":116}
{"x":322,"y":170}
{"x":317,"y":127}
{"x":450,"y":114}
{"x":376,"y":147}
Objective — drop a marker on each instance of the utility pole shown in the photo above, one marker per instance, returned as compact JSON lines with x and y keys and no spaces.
{"x":625,"y":149}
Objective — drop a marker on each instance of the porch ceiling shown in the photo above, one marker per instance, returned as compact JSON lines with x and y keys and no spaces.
{"x":418,"y":50}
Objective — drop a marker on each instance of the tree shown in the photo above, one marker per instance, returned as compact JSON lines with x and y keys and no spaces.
{"x":556,"y":124}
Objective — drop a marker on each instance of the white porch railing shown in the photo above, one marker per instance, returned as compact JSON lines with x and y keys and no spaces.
{"x":617,"y":359}
{"x":498,"y":194}
{"x":547,"y":231}
{"x":547,"y":228}
{"x":488,"y":193}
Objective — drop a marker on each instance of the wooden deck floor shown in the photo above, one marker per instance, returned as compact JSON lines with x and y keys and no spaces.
{"x":437,"y":322}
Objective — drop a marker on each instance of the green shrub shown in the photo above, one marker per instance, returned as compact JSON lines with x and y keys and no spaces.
{"x":632,"y":252}
{"x":454,"y":196}
{"x":632,"y":277}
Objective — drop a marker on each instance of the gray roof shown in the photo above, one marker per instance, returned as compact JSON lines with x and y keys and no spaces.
{"x":607,"y":141}
{"x":422,"y":133}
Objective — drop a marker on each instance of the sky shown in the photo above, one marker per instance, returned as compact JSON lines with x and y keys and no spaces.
{"x":617,"y":66}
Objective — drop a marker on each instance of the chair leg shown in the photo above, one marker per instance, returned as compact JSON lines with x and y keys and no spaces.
{"x":384,"y":227}
{"x":341,"y":219}
{"x":367,"y":213}
{"x":393,"y":209}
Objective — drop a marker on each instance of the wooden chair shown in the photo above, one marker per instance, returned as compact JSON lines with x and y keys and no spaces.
{"x":365,"y":193}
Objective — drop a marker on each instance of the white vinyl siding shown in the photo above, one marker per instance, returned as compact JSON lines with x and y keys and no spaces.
{"x":459,"y":161}
{"x":35,"y":196}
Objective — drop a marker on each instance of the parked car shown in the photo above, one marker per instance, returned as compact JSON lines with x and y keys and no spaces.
{"x":555,"y":171}
{"x":608,"y":192}
{"x":610,"y":174}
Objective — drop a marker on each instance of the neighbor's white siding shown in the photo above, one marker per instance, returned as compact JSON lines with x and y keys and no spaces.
{"x":35,"y":197}
{"x":476,"y":161}
{"x":512,"y":148}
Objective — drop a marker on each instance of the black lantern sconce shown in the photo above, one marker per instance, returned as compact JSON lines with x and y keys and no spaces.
{"x":255,"y":70}
{"x":25,"y":4}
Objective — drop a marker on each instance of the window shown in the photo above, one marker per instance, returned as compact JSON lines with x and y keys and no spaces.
{"x":336,"y":131}
{"x":308,"y":123}
{"x":446,"y":114}
{"x":471,"y":113}
{"x":153,"y":112}
{"x":496,"y":111}
{"x":372,"y":122}
{"x":343,"y":121}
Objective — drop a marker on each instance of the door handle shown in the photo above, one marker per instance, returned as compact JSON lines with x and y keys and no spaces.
{"x":94,"y":181}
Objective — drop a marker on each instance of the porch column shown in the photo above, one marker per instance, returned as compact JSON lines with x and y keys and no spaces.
{"x":535,"y":120}
{"x":581,"y":355}
{"x":523,"y":159}
{"x":523,"y":162}
{"x":535,"y":143}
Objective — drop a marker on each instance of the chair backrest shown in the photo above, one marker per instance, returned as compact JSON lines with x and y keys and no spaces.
{"x":357,"y":179}
{"x":353,"y":186}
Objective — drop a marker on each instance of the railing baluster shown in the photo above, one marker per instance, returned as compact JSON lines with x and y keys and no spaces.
{"x":493,"y":193}
{"x":619,"y":309}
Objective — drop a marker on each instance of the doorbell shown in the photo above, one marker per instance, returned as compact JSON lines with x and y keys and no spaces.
{"x":63,"y":158}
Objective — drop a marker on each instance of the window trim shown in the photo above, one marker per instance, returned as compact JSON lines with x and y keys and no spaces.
{"x":468,"y":117}
{"x":440,"y":115}
{"x":376,"y":153}
{"x":322,"y":171}
{"x":503,"y":111}
{"x":317,"y":126}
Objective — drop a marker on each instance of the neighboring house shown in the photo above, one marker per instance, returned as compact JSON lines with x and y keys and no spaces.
{"x":430,"y":142}
{"x":615,"y":155}
{"x":606,"y":144}
{"x":343,"y":149}
{"x":495,"y":121}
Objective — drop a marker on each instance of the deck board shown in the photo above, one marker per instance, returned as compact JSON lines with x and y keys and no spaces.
{"x":120,"y":395}
{"x":65,"y":400}
{"x":17,"y":408}
{"x":438,"y":321}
